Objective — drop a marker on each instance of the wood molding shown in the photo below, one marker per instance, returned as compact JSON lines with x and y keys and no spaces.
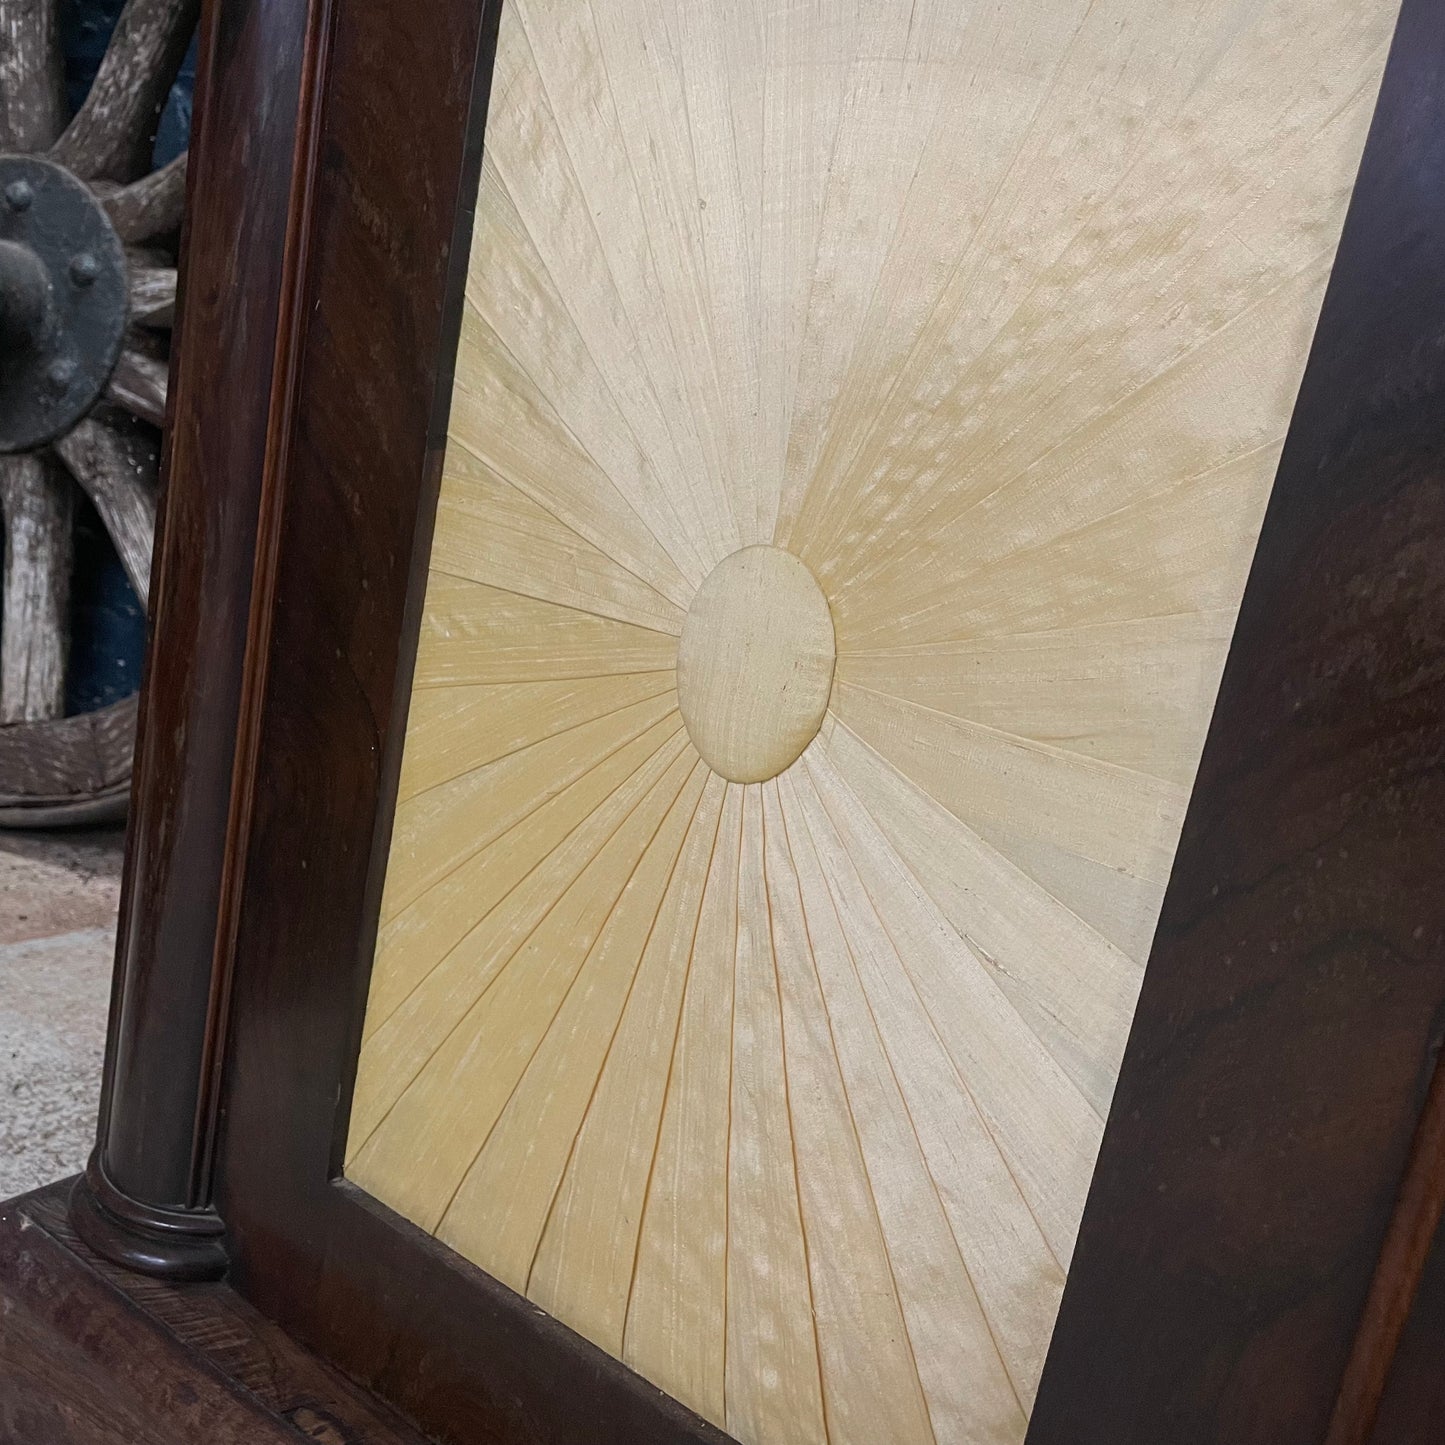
{"x":146,"y":1199}
{"x":1410,"y":1402}
{"x":179,"y":1244}
{"x":1399,"y":1275}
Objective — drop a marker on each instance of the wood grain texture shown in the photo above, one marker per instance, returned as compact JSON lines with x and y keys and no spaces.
{"x":152,"y":206}
{"x":31,"y":79}
{"x":154,"y":1134}
{"x":794,"y":332}
{"x":1289,"y":1023}
{"x":93,"y":1355}
{"x":1414,"y":1225}
{"x":115,"y":470}
{"x":472,"y":1359}
{"x":36,"y":506}
{"x":139,"y":383}
{"x":152,"y":295}
{"x":111,"y":135}
{"x":85,"y":757}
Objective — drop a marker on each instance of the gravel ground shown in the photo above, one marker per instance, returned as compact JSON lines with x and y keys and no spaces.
{"x":58,"y":897}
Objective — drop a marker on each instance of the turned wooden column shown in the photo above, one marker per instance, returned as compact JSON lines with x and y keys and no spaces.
{"x":145,"y":1199}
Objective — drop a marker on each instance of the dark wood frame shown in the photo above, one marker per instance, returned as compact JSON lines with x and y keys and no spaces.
{"x":148,"y":1196}
{"x":1238,"y":1278}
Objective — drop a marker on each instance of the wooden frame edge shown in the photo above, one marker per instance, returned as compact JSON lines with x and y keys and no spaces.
{"x":444,"y":1343}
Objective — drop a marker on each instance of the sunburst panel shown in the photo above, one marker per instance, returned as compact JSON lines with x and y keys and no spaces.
{"x":863,"y":419}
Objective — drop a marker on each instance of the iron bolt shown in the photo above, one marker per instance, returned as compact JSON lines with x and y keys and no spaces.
{"x":84,"y":268}
{"x":18,"y":195}
{"x":59,"y":376}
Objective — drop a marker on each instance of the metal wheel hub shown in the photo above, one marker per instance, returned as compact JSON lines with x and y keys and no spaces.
{"x":63,"y":298}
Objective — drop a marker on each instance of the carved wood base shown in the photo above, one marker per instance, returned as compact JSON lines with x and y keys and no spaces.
{"x":172,"y":1244}
{"x":93,"y":1355}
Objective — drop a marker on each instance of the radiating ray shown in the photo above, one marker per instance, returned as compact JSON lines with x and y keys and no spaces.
{"x":1069,"y":983}
{"x":800,"y":128}
{"x":410,"y":945}
{"x":719,"y":53}
{"x":1116,"y":902}
{"x":504,"y":425}
{"x":1222,"y":404}
{"x":440,"y":993}
{"x":640,"y":52}
{"x":773,"y":1370}
{"x":1119,"y":906}
{"x":1124,"y":820}
{"x":1042,"y":1124}
{"x":445,"y":1114}
{"x":583,"y":1270}
{"x":505,"y":1198}
{"x":472,"y":634}
{"x":490,"y":532}
{"x":539,"y":406}
{"x":1137,"y":694}
{"x":457,"y":729}
{"x":879,"y":265}
{"x":1014,"y":1258}
{"x":970,"y":1395}
{"x":579,"y":183}
{"x":1183,"y":551}
{"x":483,"y":804}
{"x":1104,"y":275}
{"x":870,"y":1381}
{"x":676,"y":1308}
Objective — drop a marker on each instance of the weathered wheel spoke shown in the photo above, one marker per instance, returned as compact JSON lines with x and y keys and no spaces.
{"x":138,"y":383}
{"x":152,"y":206}
{"x":53,"y":768}
{"x":32,"y":95}
{"x":152,"y":295}
{"x":112,"y":132}
{"x":117,"y":472}
{"x":34,"y":625}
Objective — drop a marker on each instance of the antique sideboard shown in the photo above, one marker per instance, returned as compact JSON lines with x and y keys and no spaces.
{"x":791,"y":780}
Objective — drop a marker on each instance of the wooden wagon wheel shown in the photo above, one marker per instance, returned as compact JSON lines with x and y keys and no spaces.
{"x":87,"y":288}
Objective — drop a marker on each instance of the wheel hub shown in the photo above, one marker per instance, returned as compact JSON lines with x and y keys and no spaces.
{"x":63,"y":301}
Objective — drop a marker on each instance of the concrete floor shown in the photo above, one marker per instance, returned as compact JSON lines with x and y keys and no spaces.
{"x":58,"y":898}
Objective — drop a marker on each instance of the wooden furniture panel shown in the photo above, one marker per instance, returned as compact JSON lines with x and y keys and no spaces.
{"x":901,"y":389}
{"x":1237,"y":1239}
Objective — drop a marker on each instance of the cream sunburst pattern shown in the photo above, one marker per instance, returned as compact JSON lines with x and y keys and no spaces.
{"x":863,"y":419}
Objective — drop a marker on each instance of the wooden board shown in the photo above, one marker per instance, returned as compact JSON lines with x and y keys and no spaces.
{"x":786,"y":1088}
{"x":93,"y":1354}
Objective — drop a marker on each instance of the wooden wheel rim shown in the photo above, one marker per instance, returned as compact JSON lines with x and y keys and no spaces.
{"x":56,"y":768}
